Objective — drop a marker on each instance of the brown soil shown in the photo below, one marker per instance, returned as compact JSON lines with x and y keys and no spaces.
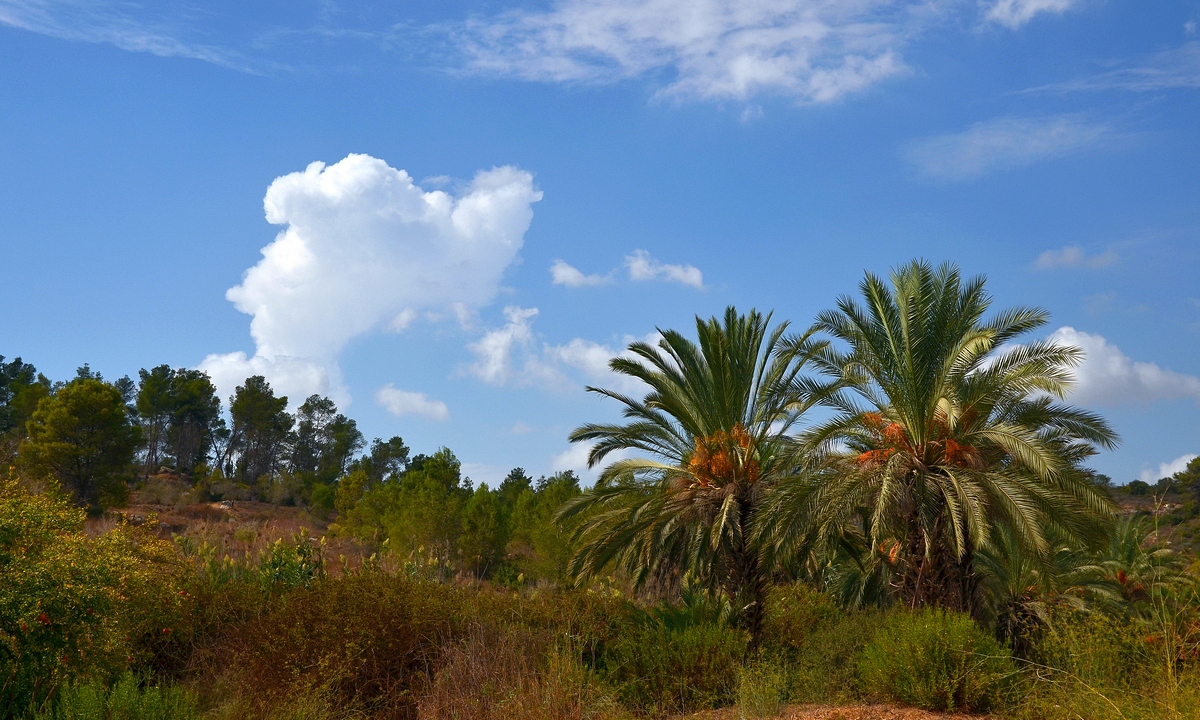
{"x":846,"y":712}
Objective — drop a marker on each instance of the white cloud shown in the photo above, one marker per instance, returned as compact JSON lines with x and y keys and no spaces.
{"x":402,"y":320}
{"x":1177,"y":68}
{"x":509,"y":354}
{"x":98,"y":21}
{"x":564,"y":274}
{"x":813,"y":50}
{"x":293,"y":377}
{"x":574,"y":458}
{"x":403,"y":402}
{"x":1008,"y":142}
{"x":643,"y":267}
{"x":520,"y":428}
{"x":1167,"y":469}
{"x":1108,"y":376}
{"x":591,"y":360}
{"x":513,"y":355}
{"x":364,"y":246}
{"x":1015,"y":13}
{"x":1073,"y":256}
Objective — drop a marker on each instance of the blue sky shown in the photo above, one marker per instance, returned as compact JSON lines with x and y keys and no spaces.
{"x":510,"y":193}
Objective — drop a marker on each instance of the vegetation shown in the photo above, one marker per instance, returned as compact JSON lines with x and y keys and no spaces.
{"x":892,"y":505}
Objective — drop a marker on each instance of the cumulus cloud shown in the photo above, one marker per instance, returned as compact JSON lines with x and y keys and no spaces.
{"x":1167,"y":469}
{"x":591,"y":361}
{"x":514,"y":354}
{"x":1072,"y":257}
{"x":293,"y":377}
{"x":813,"y":50}
{"x":564,"y":274}
{"x":1015,"y":13}
{"x":1107,"y":376}
{"x":508,"y":354}
{"x":403,"y":402}
{"x":364,"y":246}
{"x":1003,"y":143}
{"x":643,"y":267}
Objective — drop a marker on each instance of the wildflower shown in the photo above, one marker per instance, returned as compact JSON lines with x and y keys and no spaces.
{"x":44,"y":619}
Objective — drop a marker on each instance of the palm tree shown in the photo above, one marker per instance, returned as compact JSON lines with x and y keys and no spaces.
{"x":945,"y":431}
{"x":1021,"y":590}
{"x":711,"y":436}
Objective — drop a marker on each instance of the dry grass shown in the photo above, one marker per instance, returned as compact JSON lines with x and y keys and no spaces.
{"x":846,"y":712}
{"x":514,"y":674}
{"x":240,"y":529}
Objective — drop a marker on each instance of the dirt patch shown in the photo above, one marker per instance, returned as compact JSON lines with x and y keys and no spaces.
{"x":846,"y":712}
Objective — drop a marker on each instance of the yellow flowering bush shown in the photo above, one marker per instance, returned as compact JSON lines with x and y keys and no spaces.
{"x":74,"y":606}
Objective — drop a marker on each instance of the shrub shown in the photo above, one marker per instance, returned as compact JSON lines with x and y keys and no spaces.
{"x":74,"y":606}
{"x":761,"y":689}
{"x":126,"y":700}
{"x":657,"y":669}
{"x":818,"y":643}
{"x":511,"y":674}
{"x":936,"y":660}
{"x":1102,"y":667}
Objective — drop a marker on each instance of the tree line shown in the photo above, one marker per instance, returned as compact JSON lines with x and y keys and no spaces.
{"x":911,"y":446}
{"x":95,"y":439}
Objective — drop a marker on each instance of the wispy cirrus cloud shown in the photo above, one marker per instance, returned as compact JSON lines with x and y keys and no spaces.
{"x":813,"y":50}
{"x":126,"y":26}
{"x":1177,"y":68}
{"x":1002,"y":143}
{"x":1015,"y":13}
{"x":1074,"y":257}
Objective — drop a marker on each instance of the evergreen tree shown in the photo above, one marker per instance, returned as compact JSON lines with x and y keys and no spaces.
{"x":82,"y":436}
{"x":261,"y":430}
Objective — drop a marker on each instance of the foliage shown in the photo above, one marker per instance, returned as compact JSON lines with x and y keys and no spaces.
{"x":538,"y":545}
{"x":761,"y":689}
{"x":505,"y":673}
{"x":73,"y":605}
{"x":127,"y":699}
{"x":1105,"y":667}
{"x":261,"y":428}
{"x":325,"y":441}
{"x":817,"y":642}
{"x":82,"y":437}
{"x":936,"y":660}
{"x":655,"y":667}
{"x":714,"y":425}
{"x":947,"y":431}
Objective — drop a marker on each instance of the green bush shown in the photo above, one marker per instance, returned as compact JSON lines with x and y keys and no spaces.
{"x":762,"y":687}
{"x":817,"y":642}
{"x":936,"y":660}
{"x":1102,"y":667}
{"x":658,"y":669}
{"x":126,"y":700}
